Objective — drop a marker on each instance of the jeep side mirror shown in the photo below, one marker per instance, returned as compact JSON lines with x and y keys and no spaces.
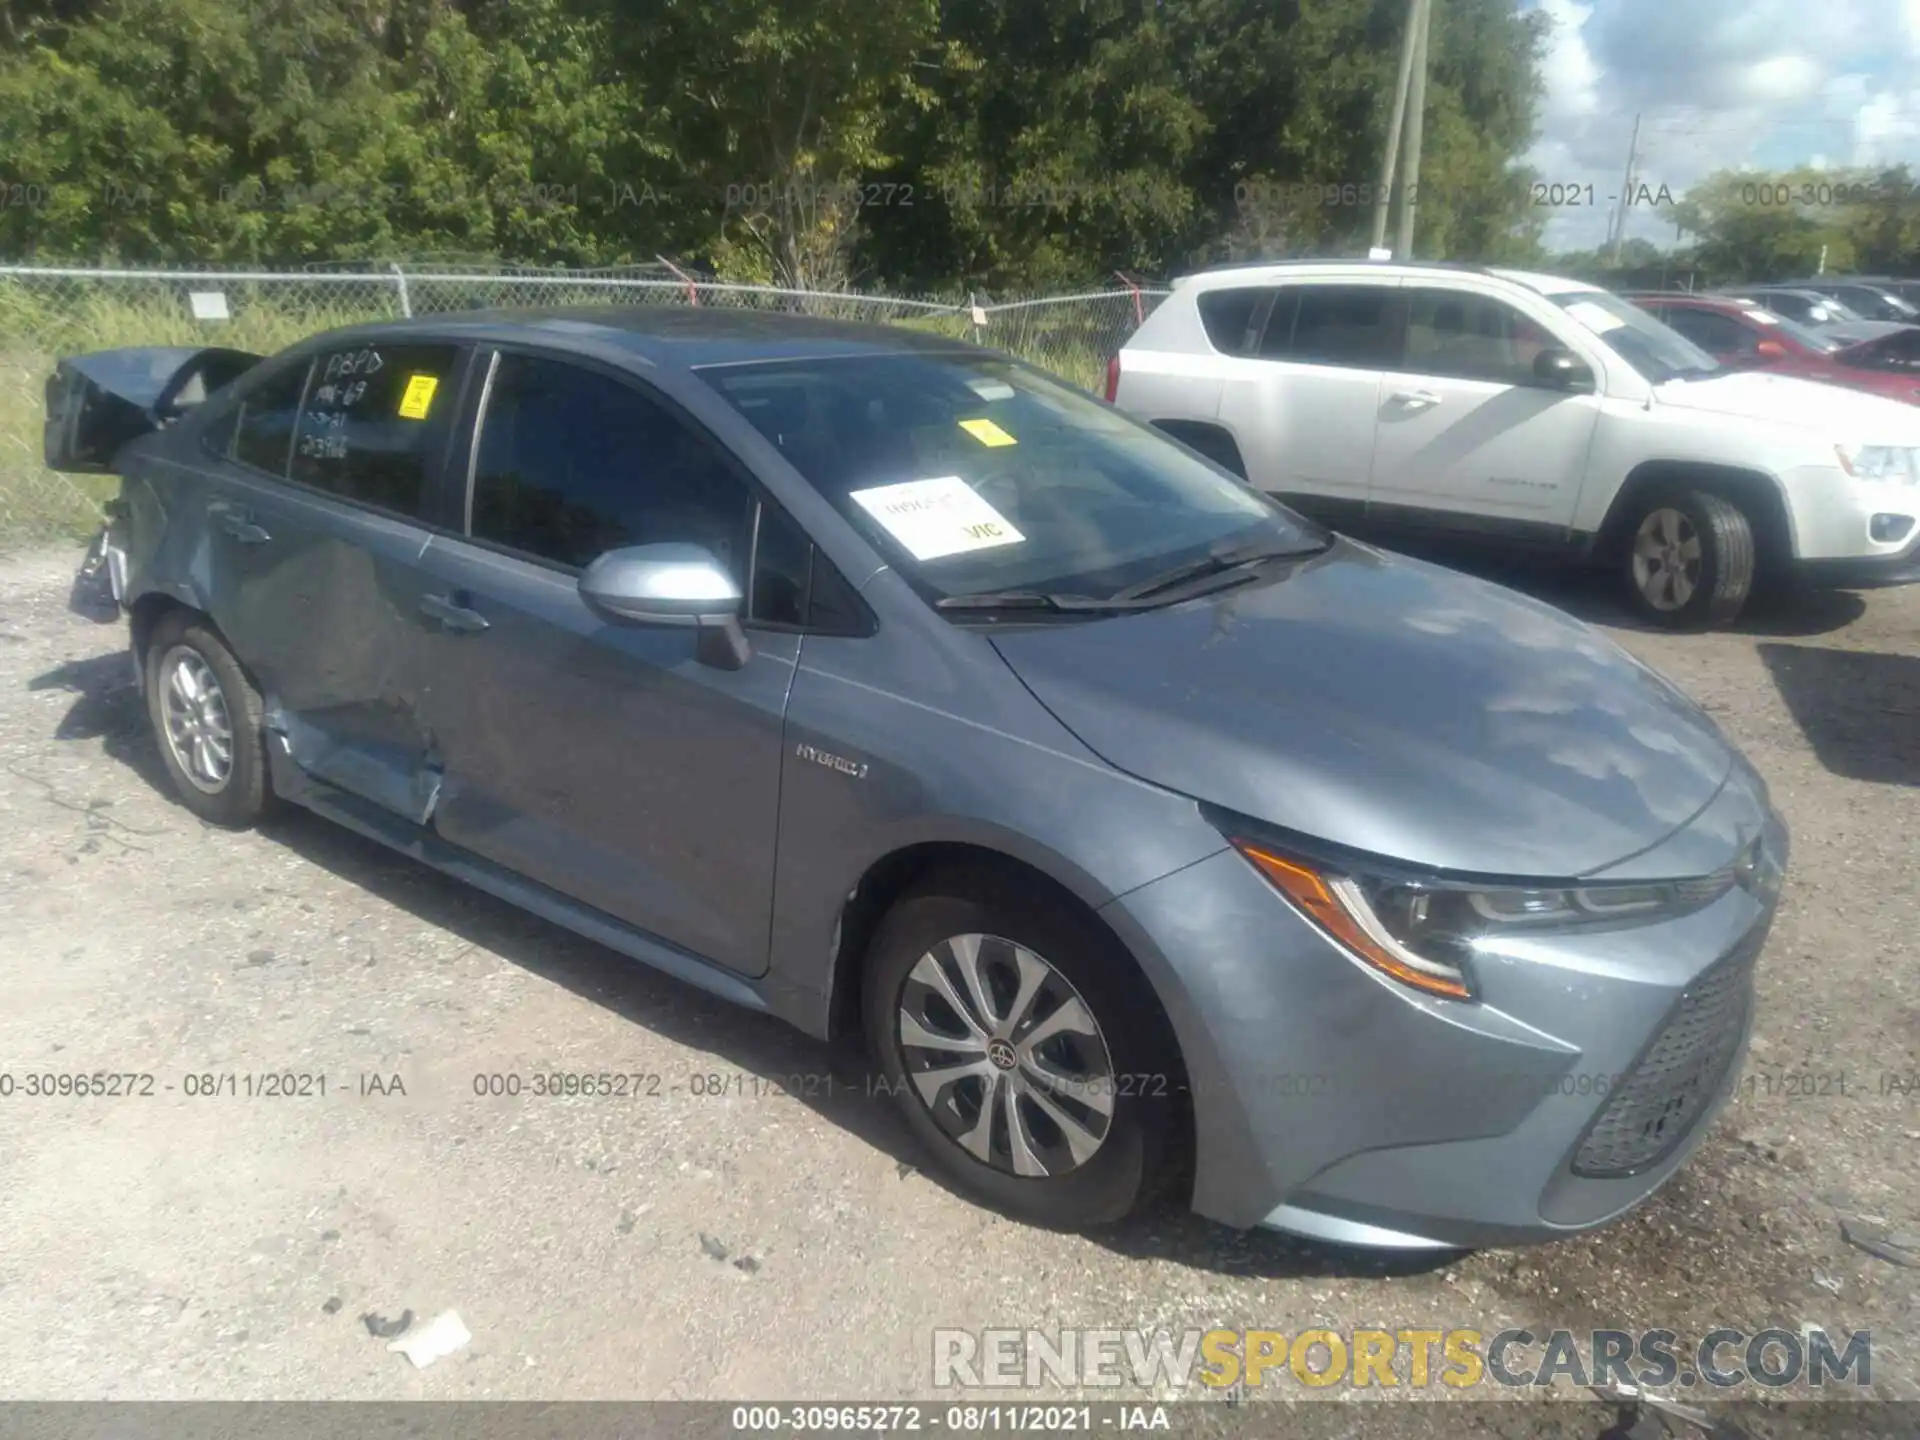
{"x":1561,"y":369}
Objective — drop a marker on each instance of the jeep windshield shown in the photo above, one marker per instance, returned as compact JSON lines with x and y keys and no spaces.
{"x":991,"y":486}
{"x":1657,"y":353}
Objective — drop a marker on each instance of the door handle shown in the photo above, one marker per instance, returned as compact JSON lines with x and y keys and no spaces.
{"x":240,"y":526}
{"x":1421,"y":399}
{"x":453,"y":615}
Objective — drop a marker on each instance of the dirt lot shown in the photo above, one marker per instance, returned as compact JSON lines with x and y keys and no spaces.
{"x":762,"y":1245}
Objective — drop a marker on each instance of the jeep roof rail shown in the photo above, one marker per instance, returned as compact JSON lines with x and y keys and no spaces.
{"x":1449,"y":265}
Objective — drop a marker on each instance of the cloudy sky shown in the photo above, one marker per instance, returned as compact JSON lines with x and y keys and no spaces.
{"x":1719,"y":84}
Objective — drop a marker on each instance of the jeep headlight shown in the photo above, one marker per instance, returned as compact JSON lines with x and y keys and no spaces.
{"x":1884,"y":464}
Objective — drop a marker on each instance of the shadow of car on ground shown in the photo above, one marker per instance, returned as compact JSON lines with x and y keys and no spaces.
{"x":836,"y":1081}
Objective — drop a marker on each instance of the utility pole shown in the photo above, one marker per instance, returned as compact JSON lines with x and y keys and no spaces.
{"x":1416,"y":128}
{"x":1383,"y":197}
{"x":1626,"y":195}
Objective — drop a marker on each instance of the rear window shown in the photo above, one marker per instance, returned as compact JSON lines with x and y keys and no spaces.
{"x":1232,"y":318}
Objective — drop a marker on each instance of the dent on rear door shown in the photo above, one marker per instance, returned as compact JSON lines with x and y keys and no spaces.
{"x":321,"y":579}
{"x":322,"y":611}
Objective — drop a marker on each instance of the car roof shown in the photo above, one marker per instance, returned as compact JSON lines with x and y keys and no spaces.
{"x":686,"y":336}
{"x":1693,"y":297}
{"x":1258,"y":271}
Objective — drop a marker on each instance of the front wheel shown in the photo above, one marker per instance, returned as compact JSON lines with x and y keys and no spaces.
{"x":1689,"y":560}
{"x":1020,"y":1048}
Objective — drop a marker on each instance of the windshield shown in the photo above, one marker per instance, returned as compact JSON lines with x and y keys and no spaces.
{"x":1829,"y":309}
{"x":1658,"y":353}
{"x":1799,"y":334}
{"x":977,"y":474}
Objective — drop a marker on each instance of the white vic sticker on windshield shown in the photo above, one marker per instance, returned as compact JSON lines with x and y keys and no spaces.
{"x":1593,"y":317}
{"x":942,"y":516}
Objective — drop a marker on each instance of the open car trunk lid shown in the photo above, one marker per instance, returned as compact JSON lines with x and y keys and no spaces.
{"x":98,"y":402}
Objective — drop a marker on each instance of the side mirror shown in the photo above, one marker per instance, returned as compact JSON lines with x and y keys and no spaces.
{"x":1562,"y":370}
{"x":1770,"y":350}
{"x":682,"y":586}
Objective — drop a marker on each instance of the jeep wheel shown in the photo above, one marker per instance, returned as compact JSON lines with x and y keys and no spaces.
{"x":1689,"y":560}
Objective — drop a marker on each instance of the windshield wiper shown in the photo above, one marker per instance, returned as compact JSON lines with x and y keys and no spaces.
{"x":1023,"y":600}
{"x":1218,"y":562}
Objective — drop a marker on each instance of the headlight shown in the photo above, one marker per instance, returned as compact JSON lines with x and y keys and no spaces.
{"x":1887,"y":464}
{"x":1424,"y":933}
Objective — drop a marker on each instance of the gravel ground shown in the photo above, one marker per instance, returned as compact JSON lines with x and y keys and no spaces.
{"x":766,"y":1245}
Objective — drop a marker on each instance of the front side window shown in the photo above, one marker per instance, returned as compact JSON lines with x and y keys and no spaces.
{"x":572,"y":463}
{"x":1799,"y":334}
{"x":1656,"y":352}
{"x":1716,"y":334}
{"x":1470,"y":337}
{"x":375,"y":421}
{"x":262,"y":434}
{"x":975,"y":474}
{"x":1346,"y":325}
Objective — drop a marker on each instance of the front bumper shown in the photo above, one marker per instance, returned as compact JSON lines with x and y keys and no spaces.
{"x":1863,"y":572}
{"x":1332,"y":1102}
{"x":1835,"y":540}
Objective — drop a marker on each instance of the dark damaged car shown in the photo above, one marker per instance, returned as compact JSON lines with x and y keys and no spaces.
{"x":1156,"y":839}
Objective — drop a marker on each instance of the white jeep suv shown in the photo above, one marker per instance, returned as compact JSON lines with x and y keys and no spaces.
{"x":1402,"y":398}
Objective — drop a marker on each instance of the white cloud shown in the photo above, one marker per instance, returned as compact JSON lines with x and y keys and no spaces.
{"x":1718,"y":84}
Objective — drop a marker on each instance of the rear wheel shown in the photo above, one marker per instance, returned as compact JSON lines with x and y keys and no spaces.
{"x":1689,"y":559}
{"x":206,"y":718}
{"x":1020,"y":1049}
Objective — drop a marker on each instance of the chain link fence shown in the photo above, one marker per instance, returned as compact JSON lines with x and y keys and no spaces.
{"x":47,"y":312}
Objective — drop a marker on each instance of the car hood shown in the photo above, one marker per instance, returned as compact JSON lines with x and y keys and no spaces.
{"x":1843,"y":415}
{"x":1390,"y":706}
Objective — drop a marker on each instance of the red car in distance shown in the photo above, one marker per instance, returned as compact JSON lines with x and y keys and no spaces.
{"x":1744,"y":335}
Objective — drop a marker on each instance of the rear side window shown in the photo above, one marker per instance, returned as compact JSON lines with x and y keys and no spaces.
{"x":1232,"y":318}
{"x":375,"y":421}
{"x":1346,"y":325}
{"x":262,"y":434}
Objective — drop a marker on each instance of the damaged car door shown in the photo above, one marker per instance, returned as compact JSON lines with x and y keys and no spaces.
{"x":317,"y":525}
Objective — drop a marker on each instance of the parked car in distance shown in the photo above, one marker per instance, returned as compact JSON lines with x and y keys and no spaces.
{"x":1743,"y":334}
{"x":1891,"y":363}
{"x":1735,"y":331}
{"x":1153,"y":835}
{"x":1821,"y":314}
{"x":1904,"y":286}
{"x":1530,"y":410}
{"x":1863,"y":298}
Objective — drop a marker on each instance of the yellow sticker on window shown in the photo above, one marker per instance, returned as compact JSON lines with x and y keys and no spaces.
{"x":987,"y":433}
{"x":419,"y":396}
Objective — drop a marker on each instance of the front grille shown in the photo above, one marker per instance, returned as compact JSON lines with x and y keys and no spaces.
{"x":1677,"y":1076}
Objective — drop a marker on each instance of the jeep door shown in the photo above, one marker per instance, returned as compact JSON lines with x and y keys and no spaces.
{"x":1303,"y":402}
{"x":1468,"y":437}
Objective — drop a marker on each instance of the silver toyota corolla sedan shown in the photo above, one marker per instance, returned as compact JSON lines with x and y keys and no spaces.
{"x":1158,"y":840}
